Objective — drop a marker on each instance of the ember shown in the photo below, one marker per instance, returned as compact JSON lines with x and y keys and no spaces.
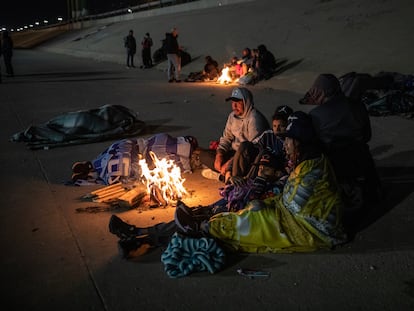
{"x":164,"y":182}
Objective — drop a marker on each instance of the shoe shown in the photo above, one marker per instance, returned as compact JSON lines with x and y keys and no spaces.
{"x":82,"y":167}
{"x":127,"y":245}
{"x":121,"y":229}
{"x":178,"y":81}
{"x":171,"y":80}
{"x":186,"y":223}
{"x":210,"y":174}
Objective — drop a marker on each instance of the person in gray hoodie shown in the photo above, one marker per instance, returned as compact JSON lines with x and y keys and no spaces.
{"x":244,"y":123}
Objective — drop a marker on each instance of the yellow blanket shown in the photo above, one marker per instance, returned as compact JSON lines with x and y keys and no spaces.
{"x":305,"y":217}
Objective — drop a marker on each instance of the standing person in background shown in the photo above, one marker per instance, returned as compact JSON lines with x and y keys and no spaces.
{"x":7,"y":52}
{"x":0,"y":57}
{"x":131,"y":46}
{"x":146,"y":51}
{"x":173,"y":55}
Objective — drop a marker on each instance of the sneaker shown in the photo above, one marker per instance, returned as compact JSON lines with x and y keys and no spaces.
{"x":171,"y":80}
{"x":186,"y":223}
{"x":178,"y":81}
{"x":121,"y":229}
{"x":127,"y":245}
{"x":210,"y":174}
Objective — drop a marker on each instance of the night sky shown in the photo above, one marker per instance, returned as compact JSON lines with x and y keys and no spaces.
{"x":15,"y":14}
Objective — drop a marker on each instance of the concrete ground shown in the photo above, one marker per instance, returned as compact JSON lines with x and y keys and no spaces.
{"x":55,"y":258}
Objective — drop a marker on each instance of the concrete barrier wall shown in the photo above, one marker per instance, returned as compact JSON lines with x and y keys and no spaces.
{"x":184,"y":7}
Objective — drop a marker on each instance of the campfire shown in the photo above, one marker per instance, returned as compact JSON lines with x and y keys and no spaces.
{"x":164,"y":182}
{"x":225,"y":77}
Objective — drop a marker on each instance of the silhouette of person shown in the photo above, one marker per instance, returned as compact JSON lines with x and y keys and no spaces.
{"x":131,"y":46}
{"x":7,"y":52}
{"x":146,"y":51}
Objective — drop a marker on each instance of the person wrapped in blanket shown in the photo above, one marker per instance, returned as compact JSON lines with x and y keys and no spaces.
{"x":306,"y":216}
{"x":119,"y":162}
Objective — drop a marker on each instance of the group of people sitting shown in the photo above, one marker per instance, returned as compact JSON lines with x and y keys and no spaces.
{"x":253,"y":65}
{"x":286,"y":186}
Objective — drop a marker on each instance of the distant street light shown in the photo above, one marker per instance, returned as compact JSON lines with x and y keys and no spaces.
{"x":129,"y":10}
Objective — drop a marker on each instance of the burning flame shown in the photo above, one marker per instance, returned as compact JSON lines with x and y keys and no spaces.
{"x":166,"y":177}
{"x":225,"y":76}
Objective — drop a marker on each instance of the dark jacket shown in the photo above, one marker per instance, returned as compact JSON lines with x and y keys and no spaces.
{"x":267,"y":62}
{"x":337,"y":118}
{"x":131,"y":44}
{"x":6,"y":45}
{"x":171,"y":44}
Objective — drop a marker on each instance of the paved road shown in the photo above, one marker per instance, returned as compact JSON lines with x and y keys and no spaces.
{"x":57,"y":259}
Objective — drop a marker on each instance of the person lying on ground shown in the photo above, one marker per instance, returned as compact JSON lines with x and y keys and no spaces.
{"x":119,"y":162}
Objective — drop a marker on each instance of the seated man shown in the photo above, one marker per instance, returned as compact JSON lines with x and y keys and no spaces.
{"x":244,"y":123}
{"x":269,"y":140}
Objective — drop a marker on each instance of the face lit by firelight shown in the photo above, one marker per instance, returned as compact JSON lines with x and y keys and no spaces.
{"x":279,"y":126}
{"x":238,"y":107}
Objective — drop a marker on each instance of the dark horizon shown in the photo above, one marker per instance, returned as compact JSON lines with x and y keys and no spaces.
{"x":14,"y":14}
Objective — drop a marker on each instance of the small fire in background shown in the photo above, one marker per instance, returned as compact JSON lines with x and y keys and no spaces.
{"x":164,"y":182}
{"x":225,"y":77}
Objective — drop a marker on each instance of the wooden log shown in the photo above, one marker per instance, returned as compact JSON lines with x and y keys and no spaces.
{"x":106,"y":189}
{"x":108,"y":196}
{"x":132,"y":197}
